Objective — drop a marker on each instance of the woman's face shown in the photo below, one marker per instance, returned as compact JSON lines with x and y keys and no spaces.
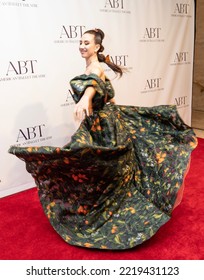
{"x":87,"y":46}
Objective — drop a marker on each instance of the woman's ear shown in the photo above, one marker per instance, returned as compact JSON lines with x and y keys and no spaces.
{"x":97,"y":48}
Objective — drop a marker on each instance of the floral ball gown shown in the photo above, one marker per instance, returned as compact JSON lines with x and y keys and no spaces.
{"x":119,"y":178}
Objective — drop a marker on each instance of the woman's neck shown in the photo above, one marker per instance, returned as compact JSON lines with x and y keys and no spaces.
{"x":91,"y":60}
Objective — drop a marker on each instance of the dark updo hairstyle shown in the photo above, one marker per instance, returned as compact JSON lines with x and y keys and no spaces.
{"x":99,"y":36}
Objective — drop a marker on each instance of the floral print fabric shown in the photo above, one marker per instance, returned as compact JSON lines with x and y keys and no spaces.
{"x":116,"y":183}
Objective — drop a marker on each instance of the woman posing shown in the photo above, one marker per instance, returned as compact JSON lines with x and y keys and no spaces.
{"x":120,"y":177}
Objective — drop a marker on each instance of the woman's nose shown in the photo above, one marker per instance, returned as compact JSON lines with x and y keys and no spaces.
{"x":81,"y":46}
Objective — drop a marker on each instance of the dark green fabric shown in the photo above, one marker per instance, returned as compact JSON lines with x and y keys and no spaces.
{"x":115,"y":184}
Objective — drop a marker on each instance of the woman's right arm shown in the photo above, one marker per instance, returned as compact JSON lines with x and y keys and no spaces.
{"x":84,"y":106}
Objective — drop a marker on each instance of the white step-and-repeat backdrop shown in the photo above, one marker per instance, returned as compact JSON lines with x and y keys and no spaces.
{"x":39,"y":54}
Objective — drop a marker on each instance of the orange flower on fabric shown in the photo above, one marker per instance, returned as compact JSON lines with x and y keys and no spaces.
{"x":66,"y":160}
{"x":67,"y":238}
{"x":142,"y":129}
{"x":194,"y":144}
{"x":82,"y":210}
{"x":114,"y":229}
{"x":103,"y":247}
{"x":79,"y":177}
{"x":88,"y":245}
{"x":160,"y":157}
{"x":96,"y":125}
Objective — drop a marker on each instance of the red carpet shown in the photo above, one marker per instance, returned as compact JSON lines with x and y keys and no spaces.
{"x":25,"y":233}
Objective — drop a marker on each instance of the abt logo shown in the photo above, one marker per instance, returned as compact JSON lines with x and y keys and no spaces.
{"x":114,"y":4}
{"x":30,"y":133}
{"x":181,"y":101}
{"x":152,"y":33}
{"x":120,"y":60}
{"x":69,"y":94}
{"x":21,"y":67}
{"x":181,"y":9}
{"x":181,"y":57}
{"x":153,"y":83}
{"x":72,"y":31}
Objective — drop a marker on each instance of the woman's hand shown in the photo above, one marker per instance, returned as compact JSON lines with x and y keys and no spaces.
{"x":112,"y":101}
{"x":83,"y":108}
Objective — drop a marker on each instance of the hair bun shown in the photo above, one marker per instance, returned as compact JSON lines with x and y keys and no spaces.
{"x":99,"y":31}
{"x":101,"y":48}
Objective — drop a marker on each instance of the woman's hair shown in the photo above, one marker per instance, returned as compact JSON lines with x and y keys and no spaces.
{"x":99,"y":36}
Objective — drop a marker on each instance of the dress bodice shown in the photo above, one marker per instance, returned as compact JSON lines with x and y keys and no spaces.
{"x":104,"y":89}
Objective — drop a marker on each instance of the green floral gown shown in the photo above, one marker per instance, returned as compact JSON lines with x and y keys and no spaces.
{"x":118,"y":180}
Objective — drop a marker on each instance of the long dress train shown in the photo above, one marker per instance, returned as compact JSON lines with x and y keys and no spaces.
{"x":117,"y":181}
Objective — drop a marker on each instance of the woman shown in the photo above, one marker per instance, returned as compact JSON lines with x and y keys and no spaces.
{"x":120,"y":177}
{"x":91,"y":48}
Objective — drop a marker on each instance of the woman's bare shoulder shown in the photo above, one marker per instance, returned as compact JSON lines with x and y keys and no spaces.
{"x":97,"y":70}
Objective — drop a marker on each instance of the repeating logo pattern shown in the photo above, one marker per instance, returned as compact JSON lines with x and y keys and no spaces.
{"x":181,"y":58}
{"x":181,"y":101}
{"x":70,"y":34}
{"x":152,"y":34}
{"x":68,"y":100}
{"x":115,"y":6}
{"x":20,"y":4}
{"x":181,"y":10}
{"x":32,"y":135}
{"x":20,"y":70}
{"x":152,"y":85}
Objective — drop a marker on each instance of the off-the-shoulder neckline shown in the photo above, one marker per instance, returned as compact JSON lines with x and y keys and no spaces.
{"x":96,"y":76}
